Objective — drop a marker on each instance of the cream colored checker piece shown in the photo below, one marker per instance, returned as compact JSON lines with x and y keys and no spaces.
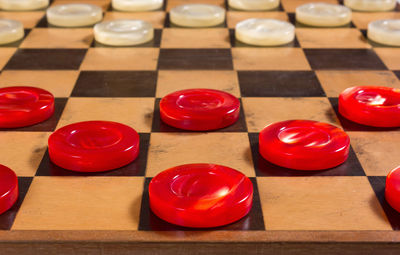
{"x":371,"y":5}
{"x":197,"y":15}
{"x":385,"y":31}
{"x":23,"y":5}
{"x":253,"y":5}
{"x":264,"y":32}
{"x":74,"y":15}
{"x":137,"y":5}
{"x":123,"y":32}
{"x":10,"y":31}
{"x":323,"y":14}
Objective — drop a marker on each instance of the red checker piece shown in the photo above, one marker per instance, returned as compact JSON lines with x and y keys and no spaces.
{"x":8,"y":188}
{"x":371,"y":106}
{"x":24,"y":106}
{"x":201,"y":195}
{"x":93,"y":146}
{"x":392,"y":190}
{"x":199,"y":109}
{"x":304,"y":145}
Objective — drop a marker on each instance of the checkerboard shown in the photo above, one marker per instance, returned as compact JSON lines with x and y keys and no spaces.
{"x":301,"y":80}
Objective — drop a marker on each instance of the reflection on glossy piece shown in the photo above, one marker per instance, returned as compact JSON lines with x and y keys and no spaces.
{"x":304,"y":145}
{"x":200,"y":195}
{"x":8,"y":188}
{"x":74,"y":15}
{"x":385,"y":31}
{"x":197,"y":15}
{"x":253,"y":5}
{"x":323,"y":14}
{"x":392,"y":190}
{"x":371,"y":106}
{"x":199,"y":109}
{"x":371,"y":5}
{"x":123,"y":32}
{"x":24,"y":106}
{"x":93,"y":146}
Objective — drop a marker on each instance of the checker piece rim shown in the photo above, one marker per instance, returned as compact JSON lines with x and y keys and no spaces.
{"x":24,"y":106}
{"x":371,"y":105}
{"x":201,"y":195}
{"x":8,"y":188}
{"x":304,"y":145}
{"x":199,"y":109}
{"x":94,"y":146}
{"x":392,"y":189}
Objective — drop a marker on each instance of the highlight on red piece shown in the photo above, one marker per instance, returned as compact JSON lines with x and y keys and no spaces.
{"x":199,"y":109}
{"x":371,"y":106}
{"x":24,"y":106}
{"x":8,"y":188}
{"x":392,"y":190}
{"x":201,"y":195}
{"x":93,"y":146}
{"x":304,"y":145}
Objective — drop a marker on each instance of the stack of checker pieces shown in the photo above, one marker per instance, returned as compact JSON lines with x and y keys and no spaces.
{"x":301,"y":80}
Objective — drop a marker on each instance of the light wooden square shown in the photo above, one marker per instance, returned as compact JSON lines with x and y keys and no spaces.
{"x":167,"y":150}
{"x":76,"y":203}
{"x":261,"y":112}
{"x":59,"y":83}
{"x":291,"y":5}
{"x":23,"y":151}
{"x":195,"y":38}
{"x":58,"y":38}
{"x":134,"y":112}
{"x":28,"y":19}
{"x":171,"y":81}
{"x":157,"y":18}
{"x":334,"y":82}
{"x":390,"y":57}
{"x":269,"y":59}
{"x":234,"y":17}
{"x":320,"y":203}
{"x":5,"y":55}
{"x":362,"y":19}
{"x":346,"y":38}
{"x":120,"y":59}
{"x":377,"y":152}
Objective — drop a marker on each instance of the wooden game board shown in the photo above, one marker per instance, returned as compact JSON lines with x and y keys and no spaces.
{"x":342,"y":209}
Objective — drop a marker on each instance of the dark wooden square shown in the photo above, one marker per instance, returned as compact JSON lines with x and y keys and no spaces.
{"x":279,"y":84}
{"x":46,"y":59}
{"x":116,"y":84}
{"x":192,"y":59}
{"x":344,"y":59}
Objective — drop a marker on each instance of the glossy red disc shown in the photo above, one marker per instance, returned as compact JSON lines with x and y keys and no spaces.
{"x":93,"y":146}
{"x":392,"y":190}
{"x":199,"y":109}
{"x":8,"y":188}
{"x":371,"y":106}
{"x":200,"y":195}
{"x":304,"y":144}
{"x":24,"y":106}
